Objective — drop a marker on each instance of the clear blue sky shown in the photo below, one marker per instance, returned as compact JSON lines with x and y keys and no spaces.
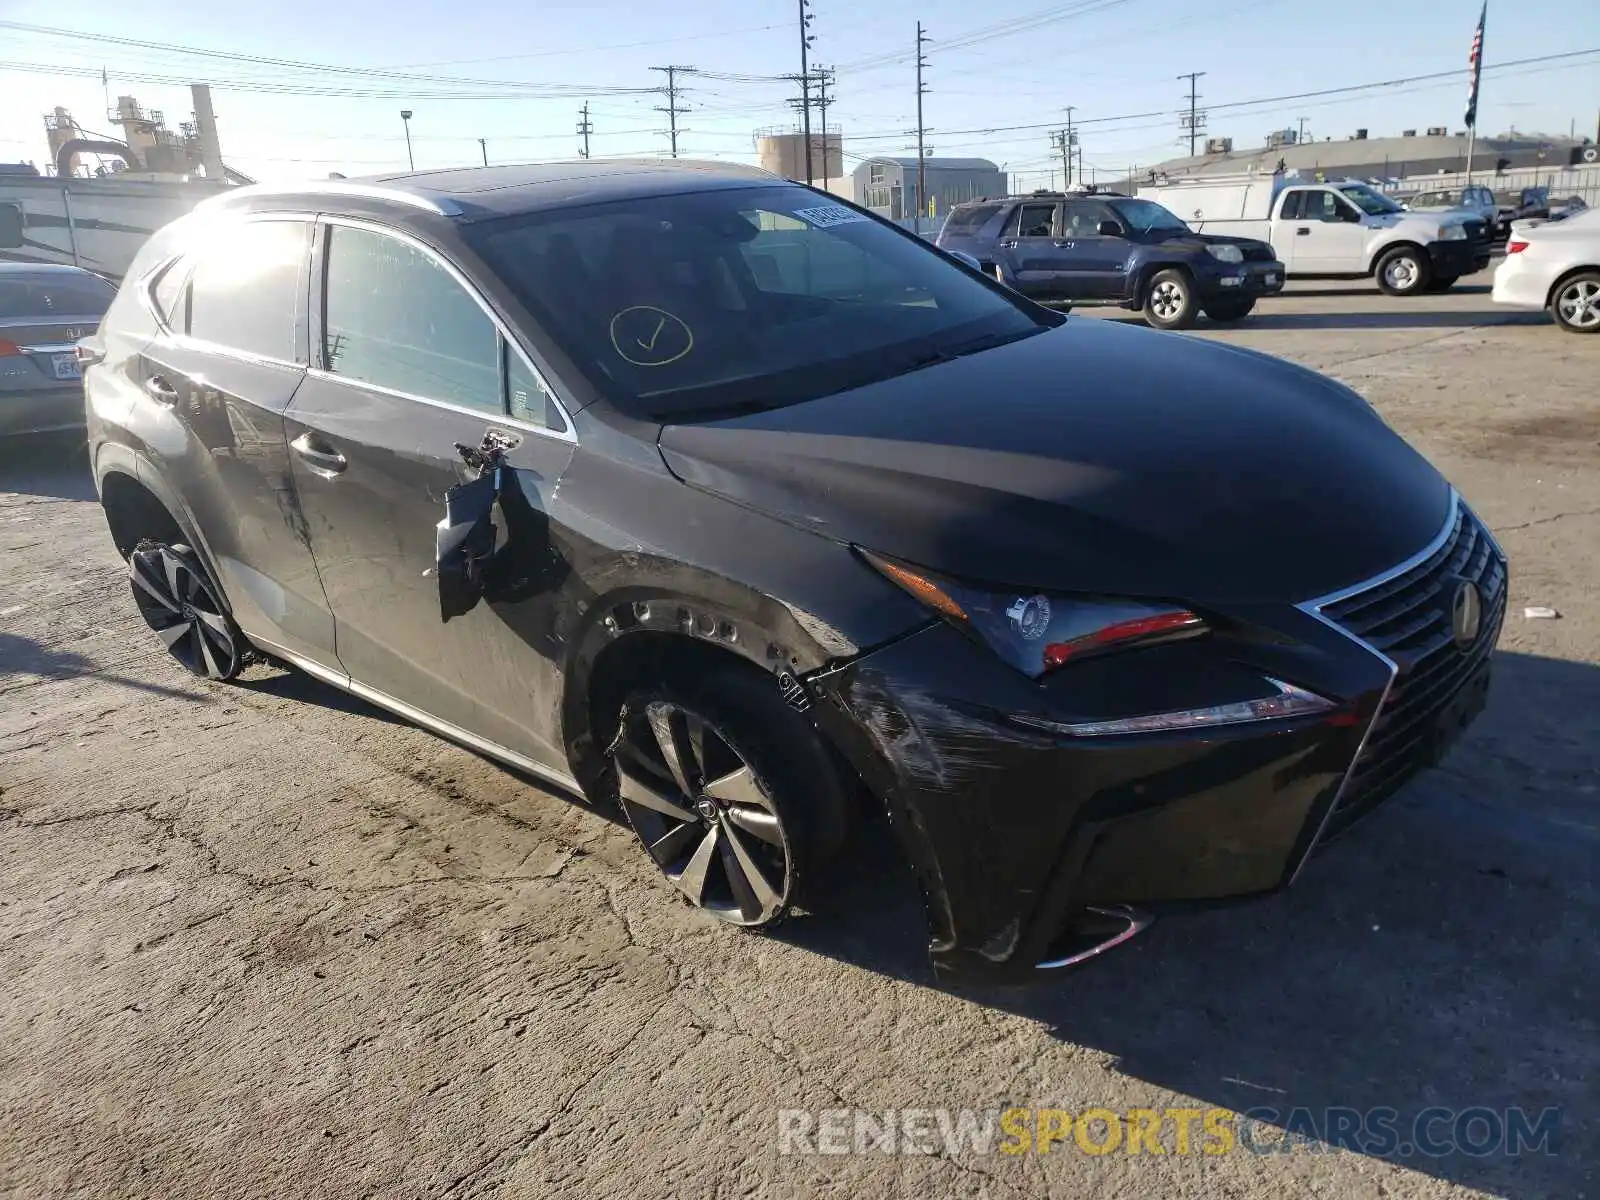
{"x":1107,"y":58}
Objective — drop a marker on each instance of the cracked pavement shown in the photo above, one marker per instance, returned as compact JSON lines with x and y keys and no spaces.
{"x":263,"y":940}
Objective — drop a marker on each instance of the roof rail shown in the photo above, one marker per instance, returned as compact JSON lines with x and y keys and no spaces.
{"x":361,"y":191}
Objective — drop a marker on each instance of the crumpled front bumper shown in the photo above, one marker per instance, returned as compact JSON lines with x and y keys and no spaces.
{"x":1013,"y":830}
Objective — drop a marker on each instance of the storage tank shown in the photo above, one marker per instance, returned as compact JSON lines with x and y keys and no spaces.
{"x":783,"y":151}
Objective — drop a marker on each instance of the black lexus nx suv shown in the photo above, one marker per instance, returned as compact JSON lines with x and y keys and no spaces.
{"x":707,"y":494}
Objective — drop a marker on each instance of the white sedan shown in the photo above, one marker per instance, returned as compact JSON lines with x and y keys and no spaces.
{"x":1554,"y":265}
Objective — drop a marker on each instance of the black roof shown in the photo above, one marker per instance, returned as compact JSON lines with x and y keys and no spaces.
{"x":475,"y":193}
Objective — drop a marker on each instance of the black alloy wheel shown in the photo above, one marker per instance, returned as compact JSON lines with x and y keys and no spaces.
{"x":178,"y":600}
{"x":731,"y":792}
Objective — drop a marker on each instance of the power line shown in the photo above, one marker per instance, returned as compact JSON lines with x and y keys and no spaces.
{"x":1165,"y":114}
{"x":285,"y":63}
{"x":693,"y":37}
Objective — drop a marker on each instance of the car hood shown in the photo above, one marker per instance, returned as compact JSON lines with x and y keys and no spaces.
{"x":1207,"y":239}
{"x":1091,"y":457}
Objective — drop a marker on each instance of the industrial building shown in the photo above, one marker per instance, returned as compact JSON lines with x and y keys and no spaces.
{"x":888,"y":186}
{"x":1413,"y":153}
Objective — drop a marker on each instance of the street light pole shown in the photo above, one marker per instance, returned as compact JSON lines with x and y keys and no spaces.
{"x":405,"y":116}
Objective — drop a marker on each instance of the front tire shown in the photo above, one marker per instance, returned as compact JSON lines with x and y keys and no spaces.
{"x":1230,"y":310}
{"x":1170,"y":302}
{"x":1404,"y":271}
{"x":179,"y":601}
{"x":732,"y":793}
{"x":1576,"y":303}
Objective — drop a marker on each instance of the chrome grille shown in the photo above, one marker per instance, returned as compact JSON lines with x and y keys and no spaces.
{"x":1408,"y":619}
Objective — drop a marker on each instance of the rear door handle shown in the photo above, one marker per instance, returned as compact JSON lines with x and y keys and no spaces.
{"x":322,"y":459}
{"x":1066,"y":245}
{"x":160,"y":390}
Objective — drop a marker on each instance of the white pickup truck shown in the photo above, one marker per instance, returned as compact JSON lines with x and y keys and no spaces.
{"x":1340,"y":230}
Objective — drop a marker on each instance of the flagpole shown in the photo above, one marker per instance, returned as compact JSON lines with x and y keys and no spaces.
{"x":1476,"y":62}
{"x":1472,"y":136}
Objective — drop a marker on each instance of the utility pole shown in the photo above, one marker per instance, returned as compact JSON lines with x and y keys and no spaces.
{"x":824,"y":82}
{"x":1300,"y":134}
{"x":673,"y":108}
{"x":405,"y":116}
{"x":483,"y":146}
{"x":585,"y":128}
{"x":806,"y":39}
{"x":922,"y":159}
{"x":1195,"y":120}
{"x":1058,"y":141}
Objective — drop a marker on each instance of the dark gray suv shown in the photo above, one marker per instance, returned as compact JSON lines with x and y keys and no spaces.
{"x":739,"y":512}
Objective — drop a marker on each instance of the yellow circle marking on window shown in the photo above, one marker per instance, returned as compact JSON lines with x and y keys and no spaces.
{"x":647,"y":336}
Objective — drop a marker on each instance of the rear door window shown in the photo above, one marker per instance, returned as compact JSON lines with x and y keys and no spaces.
{"x":249,"y":286}
{"x":1032,"y":220}
{"x":398,"y":319}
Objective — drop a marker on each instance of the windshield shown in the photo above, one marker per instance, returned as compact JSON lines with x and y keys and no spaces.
{"x":44,"y":296}
{"x":743,"y":298}
{"x":1145,"y":216}
{"x":1374,"y":204}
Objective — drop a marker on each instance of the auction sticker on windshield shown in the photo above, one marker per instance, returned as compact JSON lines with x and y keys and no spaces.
{"x":828,"y":214}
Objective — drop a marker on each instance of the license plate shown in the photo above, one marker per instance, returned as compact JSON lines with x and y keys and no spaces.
{"x":1461,"y":712}
{"x":65,"y":366}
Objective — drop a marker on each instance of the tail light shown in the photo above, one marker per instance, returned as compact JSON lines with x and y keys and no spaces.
{"x":1516,"y":247}
{"x":9,"y":349}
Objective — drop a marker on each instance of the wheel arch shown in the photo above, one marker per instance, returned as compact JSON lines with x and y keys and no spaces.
{"x":1389,"y":247}
{"x":638,"y":634}
{"x":1149,"y":270}
{"x":1567,"y":277}
{"x":135,"y":499}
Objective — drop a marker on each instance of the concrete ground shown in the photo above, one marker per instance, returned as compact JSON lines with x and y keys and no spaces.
{"x":262,"y":940}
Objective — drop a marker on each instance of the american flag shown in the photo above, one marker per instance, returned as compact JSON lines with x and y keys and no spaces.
{"x":1475,"y":61}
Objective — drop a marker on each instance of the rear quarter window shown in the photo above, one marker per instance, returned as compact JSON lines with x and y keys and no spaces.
{"x":969,"y":218}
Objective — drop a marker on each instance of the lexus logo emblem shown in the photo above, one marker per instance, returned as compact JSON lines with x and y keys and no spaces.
{"x":1466,"y":614}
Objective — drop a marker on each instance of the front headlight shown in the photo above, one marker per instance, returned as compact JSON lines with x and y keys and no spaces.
{"x":1035,"y":632}
{"x":1453,"y":233}
{"x":1289,"y":701}
{"x":1225,"y":252}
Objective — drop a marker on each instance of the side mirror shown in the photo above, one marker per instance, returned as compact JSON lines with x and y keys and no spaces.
{"x":463,"y":541}
{"x":963,"y":257}
{"x":10,"y":226}
{"x":1110,"y":229}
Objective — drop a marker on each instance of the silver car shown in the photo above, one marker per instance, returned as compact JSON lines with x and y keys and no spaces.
{"x":1479,"y":201}
{"x":44,"y":310}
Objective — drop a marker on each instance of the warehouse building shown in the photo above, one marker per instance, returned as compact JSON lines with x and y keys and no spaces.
{"x":888,"y":186}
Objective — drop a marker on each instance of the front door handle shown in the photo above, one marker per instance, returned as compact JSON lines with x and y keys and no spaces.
{"x":1066,"y":245}
{"x":1302,"y":231}
{"x":323,"y":459}
{"x":161,"y":391}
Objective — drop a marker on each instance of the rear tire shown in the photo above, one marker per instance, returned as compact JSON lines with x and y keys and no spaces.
{"x":757,"y":806}
{"x":179,"y":601}
{"x":1230,"y":310}
{"x":1575,"y":304}
{"x":1170,"y":302}
{"x":1404,"y":271}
